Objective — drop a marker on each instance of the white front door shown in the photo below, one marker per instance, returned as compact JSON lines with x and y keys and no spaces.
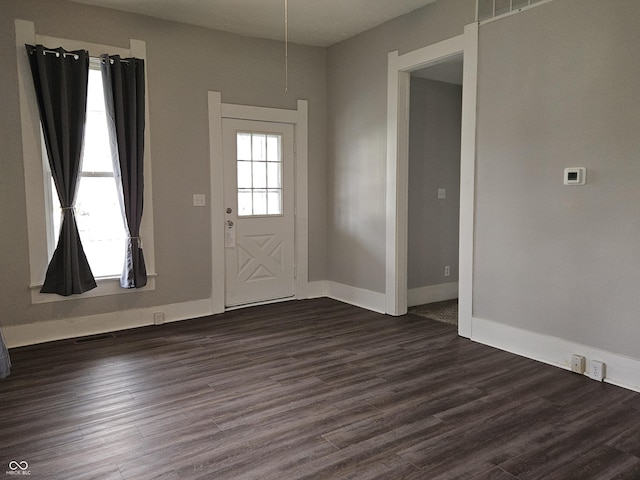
{"x":259,"y":211}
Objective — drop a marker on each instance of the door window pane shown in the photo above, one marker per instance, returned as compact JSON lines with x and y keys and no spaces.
{"x":259,"y":150}
{"x":244,"y":174}
{"x":274,"y":202}
{"x":274,"y":175}
{"x":244,"y":146}
{"x":259,"y":174}
{"x":273,"y":148}
{"x":245,"y":202}
{"x":259,"y":202}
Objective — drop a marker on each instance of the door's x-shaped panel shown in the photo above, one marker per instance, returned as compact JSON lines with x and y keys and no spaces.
{"x":259,"y":258}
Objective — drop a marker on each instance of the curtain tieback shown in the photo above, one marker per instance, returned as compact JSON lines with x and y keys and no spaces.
{"x":138,"y":240}
{"x":67,"y":208}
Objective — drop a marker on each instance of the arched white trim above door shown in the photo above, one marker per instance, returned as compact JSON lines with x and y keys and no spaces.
{"x":299,"y":118}
{"x":399,"y":68}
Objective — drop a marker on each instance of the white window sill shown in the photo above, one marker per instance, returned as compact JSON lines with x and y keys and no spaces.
{"x":106,"y":286}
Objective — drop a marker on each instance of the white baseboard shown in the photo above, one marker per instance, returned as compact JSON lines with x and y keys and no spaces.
{"x":40,"y":332}
{"x":359,"y":297}
{"x":356,"y":296}
{"x":60,"y":329}
{"x":621,"y":370}
{"x":432,"y":293}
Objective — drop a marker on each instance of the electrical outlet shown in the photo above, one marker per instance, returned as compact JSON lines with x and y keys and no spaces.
{"x":447,"y":271}
{"x":596,"y":370}
{"x":577,"y":364}
{"x":158,"y":318}
{"x":199,"y":200}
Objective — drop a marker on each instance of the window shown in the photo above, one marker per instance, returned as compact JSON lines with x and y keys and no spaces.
{"x":259,"y":174}
{"x":98,"y":213}
{"x":39,"y":201}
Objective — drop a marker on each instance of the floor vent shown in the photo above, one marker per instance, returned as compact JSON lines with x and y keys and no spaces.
{"x":94,"y":338}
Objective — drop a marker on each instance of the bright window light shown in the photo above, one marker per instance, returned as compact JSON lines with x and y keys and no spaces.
{"x":97,"y":208}
{"x":259,"y":174}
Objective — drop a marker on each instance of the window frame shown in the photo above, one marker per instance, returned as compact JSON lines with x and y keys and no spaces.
{"x":266,"y":188}
{"x":37,"y":202}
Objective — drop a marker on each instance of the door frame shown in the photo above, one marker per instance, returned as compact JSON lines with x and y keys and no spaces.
{"x":299,"y":119}
{"x":397,"y":188}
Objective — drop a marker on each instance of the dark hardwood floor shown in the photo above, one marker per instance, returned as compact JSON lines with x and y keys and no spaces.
{"x":308,"y":389}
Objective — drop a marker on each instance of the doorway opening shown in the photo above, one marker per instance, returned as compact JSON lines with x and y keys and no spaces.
{"x":398,"y":106}
{"x":435,"y":116}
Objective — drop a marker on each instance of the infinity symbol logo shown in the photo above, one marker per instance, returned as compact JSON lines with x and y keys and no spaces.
{"x":13,"y":465}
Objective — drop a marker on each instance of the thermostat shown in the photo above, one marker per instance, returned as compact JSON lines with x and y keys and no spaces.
{"x":575,"y":176}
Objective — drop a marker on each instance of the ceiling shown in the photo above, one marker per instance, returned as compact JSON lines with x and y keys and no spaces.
{"x":311,"y":22}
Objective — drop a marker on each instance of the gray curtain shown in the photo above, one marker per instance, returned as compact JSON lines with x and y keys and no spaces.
{"x":123,"y":82}
{"x":60,"y":80}
{"x":5,"y":361}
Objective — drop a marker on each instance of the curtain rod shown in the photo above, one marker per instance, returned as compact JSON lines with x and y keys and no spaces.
{"x":122,"y":60}
{"x":74,"y":55}
{"x":64,"y":54}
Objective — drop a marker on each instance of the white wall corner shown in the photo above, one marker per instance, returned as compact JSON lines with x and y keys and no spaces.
{"x":317,"y":289}
{"x":621,"y":370}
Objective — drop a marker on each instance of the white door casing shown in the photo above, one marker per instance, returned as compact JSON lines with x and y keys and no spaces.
{"x":298,"y":118}
{"x":399,"y":68}
{"x":259,"y":245}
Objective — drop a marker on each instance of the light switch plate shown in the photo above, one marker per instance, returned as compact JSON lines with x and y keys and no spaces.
{"x":442,"y":193}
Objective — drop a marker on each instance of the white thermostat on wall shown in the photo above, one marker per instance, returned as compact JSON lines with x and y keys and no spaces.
{"x":575,"y":176}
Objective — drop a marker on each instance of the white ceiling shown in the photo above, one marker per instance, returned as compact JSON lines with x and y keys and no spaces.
{"x":311,"y":22}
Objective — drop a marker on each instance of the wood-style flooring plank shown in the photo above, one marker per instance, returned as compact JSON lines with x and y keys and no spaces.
{"x":311,"y":389}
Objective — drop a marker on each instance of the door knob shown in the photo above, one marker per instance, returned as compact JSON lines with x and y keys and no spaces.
{"x":229,"y":210}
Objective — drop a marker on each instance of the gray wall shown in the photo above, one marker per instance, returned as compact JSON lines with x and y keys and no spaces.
{"x":558,"y":87}
{"x":434,"y":162}
{"x":183,"y":63}
{"x":357,"y":130}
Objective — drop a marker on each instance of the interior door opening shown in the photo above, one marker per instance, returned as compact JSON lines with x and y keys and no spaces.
{"x":435,"y":116}
{"x":398,"y":79}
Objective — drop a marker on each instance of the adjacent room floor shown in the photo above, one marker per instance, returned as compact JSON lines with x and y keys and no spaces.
{"x":308,"y":389}
{"x":445,"y":311}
